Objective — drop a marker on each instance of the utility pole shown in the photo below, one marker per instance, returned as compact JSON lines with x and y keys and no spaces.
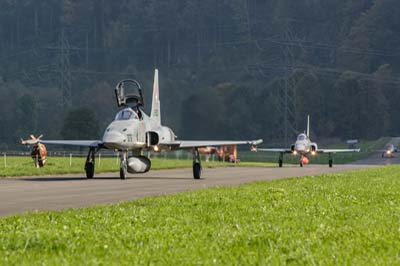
{"x":64,"y":71}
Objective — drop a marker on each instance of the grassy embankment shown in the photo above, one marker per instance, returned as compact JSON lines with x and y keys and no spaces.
{"x":367,"y":148}
{"x":23,"y":166}
{"x":336,"y":219}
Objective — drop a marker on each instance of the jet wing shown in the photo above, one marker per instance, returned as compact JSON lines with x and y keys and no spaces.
{"x":188,"y":144}
{"x":276,"y":150}
{"x":81,"y":143}
{"x":337,"y":150}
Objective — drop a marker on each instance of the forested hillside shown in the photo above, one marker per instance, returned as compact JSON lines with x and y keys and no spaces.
{"x":228,"y":69}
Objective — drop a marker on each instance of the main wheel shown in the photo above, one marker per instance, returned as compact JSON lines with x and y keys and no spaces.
{"x":280,"y":163}
{"x":89,"y":169}
{"x":330,"y":163}
{"x":123,"y":171}
{"x":196,"y":171}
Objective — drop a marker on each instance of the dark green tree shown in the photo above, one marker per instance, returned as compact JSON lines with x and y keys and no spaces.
{"x":27,"y":115}
{"x":80,"y":123}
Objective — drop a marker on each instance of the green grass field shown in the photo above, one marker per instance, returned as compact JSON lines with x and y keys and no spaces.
{"x":23,"y":166}
{"x":336,"y":219}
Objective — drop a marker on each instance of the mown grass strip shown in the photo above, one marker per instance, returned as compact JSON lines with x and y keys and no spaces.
{"x":336,"y":219}
{"x":23,"y":166}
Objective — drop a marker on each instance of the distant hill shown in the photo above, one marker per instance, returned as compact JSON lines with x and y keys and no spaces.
{"x":228,"y":69}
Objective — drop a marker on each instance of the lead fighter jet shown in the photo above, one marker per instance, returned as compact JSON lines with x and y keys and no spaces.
{"x":133,"y":132}
{"x":305,"y":148}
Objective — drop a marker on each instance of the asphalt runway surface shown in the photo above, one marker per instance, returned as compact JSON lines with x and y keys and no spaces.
{"x":18,"y":195}
{"x":376,"y":157}
{"x":27,"y":194}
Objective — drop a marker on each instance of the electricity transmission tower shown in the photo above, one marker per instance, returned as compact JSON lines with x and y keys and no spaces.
{"x":286,"y":92}
{"x":287,"y":103}
{"x":64,"y":71}
{"x":286,"y":89}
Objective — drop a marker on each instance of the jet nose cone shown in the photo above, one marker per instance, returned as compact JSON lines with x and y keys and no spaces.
{"x":300,"y":147}
{"x":112,"y":139}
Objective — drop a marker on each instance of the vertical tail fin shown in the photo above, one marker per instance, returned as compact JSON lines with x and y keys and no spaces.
{"x":155,"y":105}
{"x":308,"y":126}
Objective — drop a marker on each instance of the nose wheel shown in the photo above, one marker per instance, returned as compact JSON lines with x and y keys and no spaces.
{"x":197,"y":169}
{"x":280,"y":161}
{"x":330,"y":161}
{"x":123,"y":169}
{"x":89,"y":165}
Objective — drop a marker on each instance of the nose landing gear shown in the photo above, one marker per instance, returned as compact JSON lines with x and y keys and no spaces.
{"x":304,"y":161}
{"x":123,"y":169}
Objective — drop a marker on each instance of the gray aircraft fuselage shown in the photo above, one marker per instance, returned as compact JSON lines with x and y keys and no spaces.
{"x":128,"y":131}
{"x":303,"y":145}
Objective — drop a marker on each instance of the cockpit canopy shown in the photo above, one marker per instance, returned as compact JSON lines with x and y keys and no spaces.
{"x":126,"y":114}
{"x":389,"y":147}
{"x":302,"y":137}
{"x":129,"y":93}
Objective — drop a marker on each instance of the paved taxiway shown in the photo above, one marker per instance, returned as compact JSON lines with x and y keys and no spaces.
{"x":19,"y":195}
{"x":376,"y":157}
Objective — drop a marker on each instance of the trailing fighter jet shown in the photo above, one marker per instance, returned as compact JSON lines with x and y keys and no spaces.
{"x":132,"y":132}
{"x":305,"y":148}
{"x":389,"y":151}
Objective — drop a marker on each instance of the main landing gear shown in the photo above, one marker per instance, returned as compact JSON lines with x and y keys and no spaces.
{"x":123,"y":169}
{"x":280,"y":162}
{"x":330,"y":160}
{"x":196,"y":164}
{"x":89,"y":165}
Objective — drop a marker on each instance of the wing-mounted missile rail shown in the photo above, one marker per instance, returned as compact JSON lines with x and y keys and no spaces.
{"x":38,"y":150}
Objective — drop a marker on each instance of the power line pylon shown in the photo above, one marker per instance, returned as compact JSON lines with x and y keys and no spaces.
{"x":64,"y":71}
{"x":287,"y":98}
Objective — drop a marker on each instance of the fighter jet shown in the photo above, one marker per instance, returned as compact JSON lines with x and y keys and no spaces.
{"x":305,"y":148}
{"x":389,"y":151}
{"x":133,"y":132}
